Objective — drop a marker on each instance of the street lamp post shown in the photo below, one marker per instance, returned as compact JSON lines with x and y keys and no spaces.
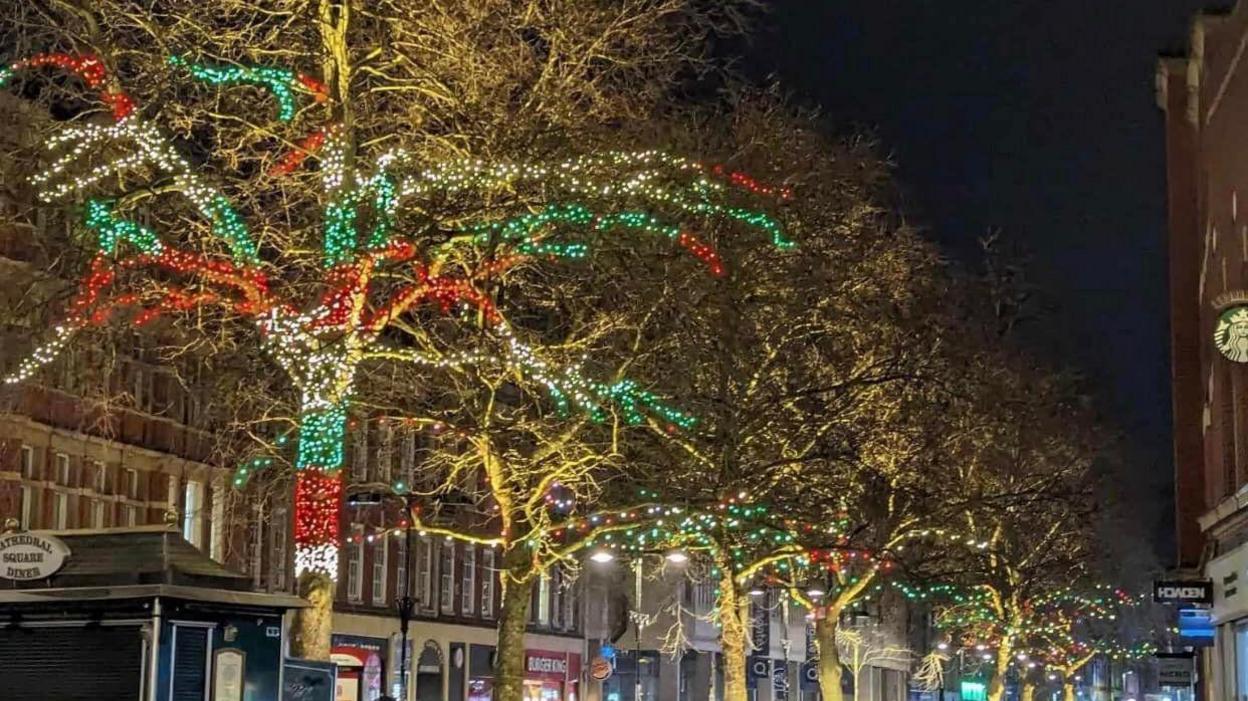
{"x":406,"y":603}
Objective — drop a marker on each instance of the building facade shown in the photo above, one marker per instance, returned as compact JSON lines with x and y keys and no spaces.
{"x":1204,"y":97}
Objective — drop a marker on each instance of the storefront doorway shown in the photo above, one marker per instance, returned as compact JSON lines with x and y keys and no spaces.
{"x":429,"y":673}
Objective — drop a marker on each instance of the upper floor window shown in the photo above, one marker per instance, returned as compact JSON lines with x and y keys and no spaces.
{"x":487,"y":583}
{"x":355,"y":564}
{"x":424,"y":573}
{"x":446,"y":567}
{"x":381,"y":549}
{"x":62,"y":470}
{"x":28,"y":462}
{"x":468,"y":585}
{"x":193,"y":513}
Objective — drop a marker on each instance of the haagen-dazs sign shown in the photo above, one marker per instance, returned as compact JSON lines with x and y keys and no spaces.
{"x":28,"y":556}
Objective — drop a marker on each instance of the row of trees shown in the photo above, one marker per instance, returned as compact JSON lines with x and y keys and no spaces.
{"x":474,"y":219}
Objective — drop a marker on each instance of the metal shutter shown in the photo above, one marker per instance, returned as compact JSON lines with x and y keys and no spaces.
{"x":190,"y":660}
{"x":71,"y":664}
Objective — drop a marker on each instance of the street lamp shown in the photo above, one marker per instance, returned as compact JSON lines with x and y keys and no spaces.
{"x":405,"y":604}
{"x":602,"y":557}
{"x":678,"y":557}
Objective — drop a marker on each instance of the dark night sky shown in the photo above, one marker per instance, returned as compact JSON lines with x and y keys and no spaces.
{"x":1037,"y":118}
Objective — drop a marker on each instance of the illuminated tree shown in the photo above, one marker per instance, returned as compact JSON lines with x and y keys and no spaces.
{"x":1031,"y":532}
{"x":381,"y":275}
{"x":804,"y":375}
{"x":1072,"y":627}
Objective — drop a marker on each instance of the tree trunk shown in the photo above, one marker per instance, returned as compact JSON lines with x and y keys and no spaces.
{"x":732,"y":621}
{"x":513,"y":619}
{"x":1028,"y":692}
{"x":996,"y":688}
{"x":313,"y":626}
{"x":318,"y":506}
{"x":1068,"y":691}
{"x":830,"y":669}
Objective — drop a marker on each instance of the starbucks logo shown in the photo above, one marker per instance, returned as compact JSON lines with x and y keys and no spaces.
{"x":1231,"y":335}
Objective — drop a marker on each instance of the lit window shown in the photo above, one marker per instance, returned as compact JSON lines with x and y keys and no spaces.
{"x":132,"y":515}
{"x":468,"y":581}
{"x":381,"y":551}
{"x":97,"y":513}
{"x":132,"y":484}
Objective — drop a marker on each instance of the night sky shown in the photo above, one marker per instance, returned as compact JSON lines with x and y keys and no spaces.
{"x":1037,"y":118}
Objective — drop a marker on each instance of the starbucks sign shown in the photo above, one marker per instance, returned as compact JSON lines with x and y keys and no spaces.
{"x":29,"y":556}
{"x":1231,"y":335}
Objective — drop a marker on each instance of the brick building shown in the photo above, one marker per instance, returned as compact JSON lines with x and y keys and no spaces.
{"x":1204,"y":97}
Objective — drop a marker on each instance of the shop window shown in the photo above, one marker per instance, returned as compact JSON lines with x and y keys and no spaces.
{"x":381,"y":552}
{"x":446,"y":568}
{"x":468,"y":585}
{"x":487,"y":583}
{"x":355,"y":564}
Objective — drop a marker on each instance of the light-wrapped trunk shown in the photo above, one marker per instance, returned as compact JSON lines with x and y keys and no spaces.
{"x":996,"y":688}
{"x":1068,"y":691}
{"x":732,"y":622}
{"x":1028,"y":692}
{"x":830,"y":669}
{"x":318,"y":505}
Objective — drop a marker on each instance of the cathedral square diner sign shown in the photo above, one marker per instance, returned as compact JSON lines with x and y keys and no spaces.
{"x":29,"y":556}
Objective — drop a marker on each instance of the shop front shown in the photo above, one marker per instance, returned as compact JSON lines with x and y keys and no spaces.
{"x":361,"y":667}
{"x":549,"y":675}
{"x":133,"y":614}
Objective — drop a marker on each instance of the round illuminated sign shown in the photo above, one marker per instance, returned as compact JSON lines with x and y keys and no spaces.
{"x":1231,"y":335}
{"x":29,"y":556}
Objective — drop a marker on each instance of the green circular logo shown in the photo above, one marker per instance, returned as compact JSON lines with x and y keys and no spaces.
{"x":1231,"y":335}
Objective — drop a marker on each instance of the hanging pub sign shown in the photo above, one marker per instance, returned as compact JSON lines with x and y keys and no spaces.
{"x":1189,"y":592}
{"x":29,"y":556}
